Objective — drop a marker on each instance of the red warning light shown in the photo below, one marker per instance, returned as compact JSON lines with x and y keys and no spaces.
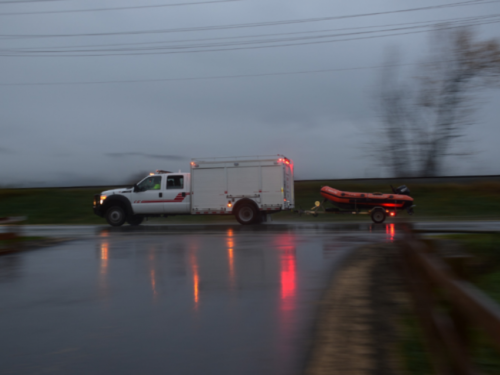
{"x":392,"y":213}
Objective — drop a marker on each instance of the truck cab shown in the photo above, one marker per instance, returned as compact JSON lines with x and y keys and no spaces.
{"x":160,"y":193}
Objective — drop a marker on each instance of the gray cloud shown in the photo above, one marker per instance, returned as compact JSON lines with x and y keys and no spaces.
{"x":318,"y":120}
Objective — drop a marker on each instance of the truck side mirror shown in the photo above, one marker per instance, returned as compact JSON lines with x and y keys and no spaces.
{"x":136,"y":188}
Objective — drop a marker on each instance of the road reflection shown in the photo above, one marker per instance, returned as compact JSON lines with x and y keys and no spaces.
{"x":287,"y":313}
{"x":103,"y":268}
{"x":288,"y":282}
{"x":104,"y":257}
{"x":287,"y":258}
{"x":193,"y":262}
{"x":390,"y":231}
{"x":153,"y":282}
{"x":230,"y":257}
{"x":152,"y":271}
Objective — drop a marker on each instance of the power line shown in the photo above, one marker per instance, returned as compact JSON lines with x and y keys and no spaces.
{"x":155,"y":80}
{"x":27,"y":1}
{"x":426,"y":23}
{"x":12,"y":54}
{"x":204,"y":78}
{"x":245,"y":25}
{"x":116,"y":8}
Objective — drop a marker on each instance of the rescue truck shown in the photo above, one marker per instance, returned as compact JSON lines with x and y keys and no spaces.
{"x":250,"y":188}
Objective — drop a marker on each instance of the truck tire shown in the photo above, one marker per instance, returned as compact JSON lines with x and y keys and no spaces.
{"x":378,"y":216}
{"x":135,"y":220}
{"x":246,"y":213}
{"x":115,"y":216}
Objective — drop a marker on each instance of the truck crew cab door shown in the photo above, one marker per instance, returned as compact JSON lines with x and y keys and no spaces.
{"x":177,"y":195}
{"x":148,"y":197}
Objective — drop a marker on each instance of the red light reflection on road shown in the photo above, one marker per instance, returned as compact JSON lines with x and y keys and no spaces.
{"x":104,"y":257}
{"x":230,"y":256}
{"x":285,"y":244}
{"x":390,"y":231}
{"x":153,"y":282}
{"x":152,"y":271}
{"x":193,"y":262}
{"x":288,"y":273}
{"x":103,"y":254}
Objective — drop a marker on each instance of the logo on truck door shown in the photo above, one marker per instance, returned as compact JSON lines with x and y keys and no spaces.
{"x":178,"y":199}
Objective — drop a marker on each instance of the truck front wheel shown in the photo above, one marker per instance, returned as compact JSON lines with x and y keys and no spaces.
{"x":246,"y":214}
{"x":115,"y":216}
{"x":135,"y":220}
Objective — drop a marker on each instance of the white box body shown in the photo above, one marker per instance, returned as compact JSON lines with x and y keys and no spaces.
{"x":218,"y":183}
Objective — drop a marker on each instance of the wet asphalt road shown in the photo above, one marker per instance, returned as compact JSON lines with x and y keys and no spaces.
{"x":191,"y":300}
{"x":219,"y":299}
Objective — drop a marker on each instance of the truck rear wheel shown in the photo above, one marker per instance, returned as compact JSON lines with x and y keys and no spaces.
{"x":246,"y":213}
{"x":135,"y":220}
{"x":378,"y":216}
{"x":115,"y":216}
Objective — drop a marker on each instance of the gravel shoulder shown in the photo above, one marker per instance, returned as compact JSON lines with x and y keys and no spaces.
{"x":357,"y":330}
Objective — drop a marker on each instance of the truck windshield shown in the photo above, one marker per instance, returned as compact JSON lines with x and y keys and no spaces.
{"x":150,"y":183}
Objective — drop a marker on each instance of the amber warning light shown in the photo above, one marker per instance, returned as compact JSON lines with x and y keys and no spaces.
{"x":284,"y":160}
{"x":229,"y":204}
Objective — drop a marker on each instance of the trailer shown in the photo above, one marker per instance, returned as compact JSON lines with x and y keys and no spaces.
{"x":377,"y":205}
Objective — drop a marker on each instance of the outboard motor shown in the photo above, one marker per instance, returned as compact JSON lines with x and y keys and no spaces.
{"x":403,"y":190}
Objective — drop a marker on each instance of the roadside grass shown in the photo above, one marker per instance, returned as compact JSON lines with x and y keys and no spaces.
{"x":485,"y":274}
{"x":485,"y":249}
{"x":466,"y":201}
{"x":412,"y":349}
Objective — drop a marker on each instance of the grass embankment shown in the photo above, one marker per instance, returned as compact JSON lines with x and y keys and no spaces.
{"x":434,"y":201}
{"x":485,"y":274}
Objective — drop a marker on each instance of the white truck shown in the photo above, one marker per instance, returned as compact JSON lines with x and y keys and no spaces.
{"x":248,"y":187}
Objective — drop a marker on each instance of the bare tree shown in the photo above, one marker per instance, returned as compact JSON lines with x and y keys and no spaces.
{"x":423,"y":120}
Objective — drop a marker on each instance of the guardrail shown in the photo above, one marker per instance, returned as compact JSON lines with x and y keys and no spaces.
{"x":448,"y":306}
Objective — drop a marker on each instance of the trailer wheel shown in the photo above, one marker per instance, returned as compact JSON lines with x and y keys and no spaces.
{"x":378,"y":216}
{"x":115,"y":216}
{"x":246,"y":213}
{"x":135,"y":220}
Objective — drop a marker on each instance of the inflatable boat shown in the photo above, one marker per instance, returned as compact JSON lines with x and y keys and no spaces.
{"x":378,"y":204}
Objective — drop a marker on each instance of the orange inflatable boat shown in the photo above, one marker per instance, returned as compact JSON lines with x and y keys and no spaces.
{"x":375,"y":202}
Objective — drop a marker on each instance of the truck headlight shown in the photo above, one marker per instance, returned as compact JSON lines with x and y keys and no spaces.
{"x":103,"y":197}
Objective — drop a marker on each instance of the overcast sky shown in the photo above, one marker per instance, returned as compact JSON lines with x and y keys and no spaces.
{"x":99,"y":133}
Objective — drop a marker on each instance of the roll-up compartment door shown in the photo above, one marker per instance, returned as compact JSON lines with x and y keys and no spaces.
{"x":243,"y":180}
{"x":272,"y":183}
{"x":209,"y":186}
